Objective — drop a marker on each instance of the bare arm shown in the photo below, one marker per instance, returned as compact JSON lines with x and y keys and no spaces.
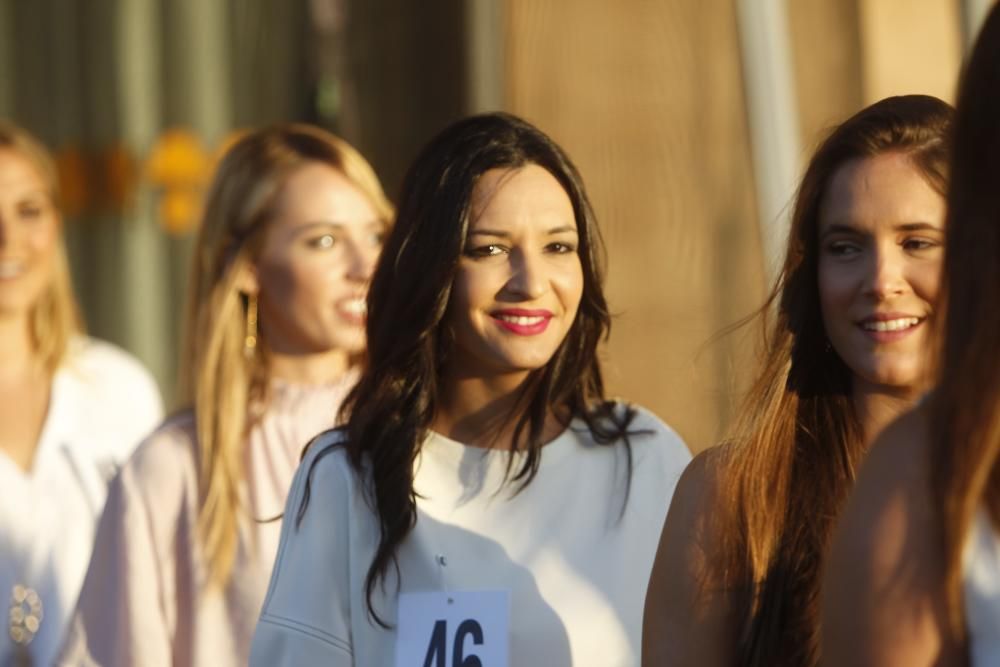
{"x":689,"y":618}
{"x":883,"y":600}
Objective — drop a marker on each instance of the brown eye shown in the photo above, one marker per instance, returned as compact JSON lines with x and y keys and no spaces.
{"x":842,"y":248}
{"x":560,"y":248}
{"x":485,"y":251}
{"x":918,"y":244}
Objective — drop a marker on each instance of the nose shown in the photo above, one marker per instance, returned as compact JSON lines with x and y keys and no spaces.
{"x":527,"y":280}
{"x":885,"y":274}
{"x":361,"y":261}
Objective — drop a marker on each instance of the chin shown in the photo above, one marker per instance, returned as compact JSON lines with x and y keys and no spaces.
{"x":526,"y":366}
{"x":901,"y":379}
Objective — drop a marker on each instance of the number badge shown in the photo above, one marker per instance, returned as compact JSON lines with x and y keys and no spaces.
{"x":455,"y":629}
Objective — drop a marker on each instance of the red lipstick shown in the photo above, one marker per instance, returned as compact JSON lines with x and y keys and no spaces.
{"x":522,"y":321}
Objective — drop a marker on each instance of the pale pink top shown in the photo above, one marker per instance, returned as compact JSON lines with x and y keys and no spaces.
{"x":144,"y":600}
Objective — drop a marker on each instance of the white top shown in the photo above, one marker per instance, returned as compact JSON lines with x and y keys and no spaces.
{"x":575,"y":565}
{"x":981,"y":590}
{"x":145,"y":601}
{"x":102,"y":403}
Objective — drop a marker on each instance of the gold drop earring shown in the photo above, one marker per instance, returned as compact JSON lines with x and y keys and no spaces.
{"x":250,"y":341}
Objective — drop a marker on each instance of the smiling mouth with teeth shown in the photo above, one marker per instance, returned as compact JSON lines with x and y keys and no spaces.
{"x":520,"y":319}
{"x":891,"y":325}
{"x":354,"y":307}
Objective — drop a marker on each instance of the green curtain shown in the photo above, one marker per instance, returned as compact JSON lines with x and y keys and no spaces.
{"x":135,"y":98}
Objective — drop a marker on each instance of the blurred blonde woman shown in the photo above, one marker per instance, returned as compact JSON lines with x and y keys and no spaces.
{"x":71,"y":410}
{"x":293,"y":225}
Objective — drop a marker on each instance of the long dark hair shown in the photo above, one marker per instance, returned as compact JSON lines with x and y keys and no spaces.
{"x":965,"y":409}
{"x":793,"y":451}
{"x":389,"y":412}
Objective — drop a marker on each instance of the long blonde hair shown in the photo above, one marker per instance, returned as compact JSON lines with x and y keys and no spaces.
{"x":55,"y":318}
{"x":218,"y":380}
{"x":965,"y":408}
{"x":797,"y":441}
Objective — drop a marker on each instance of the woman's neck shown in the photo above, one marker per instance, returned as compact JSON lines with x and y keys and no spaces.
{"x":878,"y":406}
{"x":483,"y":411}
{"x":17,"y":354}
{"x":309,"y":369}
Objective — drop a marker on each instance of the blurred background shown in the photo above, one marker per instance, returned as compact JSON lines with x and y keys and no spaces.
{"x":689,"y":119}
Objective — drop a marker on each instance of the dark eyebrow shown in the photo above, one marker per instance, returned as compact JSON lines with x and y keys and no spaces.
{"x":563,"y":229}
{"x":843,"y":228}
{"x":918,"y":227}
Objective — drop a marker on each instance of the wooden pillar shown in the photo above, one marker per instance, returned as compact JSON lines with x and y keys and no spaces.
{"x":910,"y":46}
{"x":647,"y":97}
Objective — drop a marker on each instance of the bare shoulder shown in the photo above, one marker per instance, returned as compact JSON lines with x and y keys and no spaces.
{"x":890,"y":499}
{"x":689,"y":612}
{"x":882,"y":593}
{"x":694,"y":509}
{"x":701,"y":482}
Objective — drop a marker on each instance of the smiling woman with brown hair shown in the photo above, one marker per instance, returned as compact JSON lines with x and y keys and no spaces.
{"x":914,"y":577}
{"x":737,"y":576}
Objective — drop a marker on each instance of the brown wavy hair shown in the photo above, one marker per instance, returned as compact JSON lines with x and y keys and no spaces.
{"x":390,"y":410}
{"x":791,"y":456}
{"x":965,"y":409}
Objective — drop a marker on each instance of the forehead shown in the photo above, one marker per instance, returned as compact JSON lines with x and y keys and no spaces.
{"x":884,"y":189}
{"x":506,"y":197}
{"x":317,"y":192}
{"x":18,"y":173}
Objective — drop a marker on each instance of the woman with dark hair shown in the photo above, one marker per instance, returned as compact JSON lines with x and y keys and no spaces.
{"x":914,"y":576}
{"x":484,"y":496}
{"x":736,"y":581}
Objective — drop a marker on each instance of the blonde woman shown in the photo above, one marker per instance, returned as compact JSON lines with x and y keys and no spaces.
{"x":71,"y":410}
{"x":292,"y":227}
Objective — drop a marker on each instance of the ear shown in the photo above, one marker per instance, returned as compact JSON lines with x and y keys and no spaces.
{"x":247,"y":281}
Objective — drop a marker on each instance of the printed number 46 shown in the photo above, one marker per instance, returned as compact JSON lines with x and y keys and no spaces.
{"x":437,"y":650}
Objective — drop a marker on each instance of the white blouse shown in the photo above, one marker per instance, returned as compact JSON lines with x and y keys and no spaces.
{"x":569,"y":554}
{"x":102,"y":403}
{"x":981,"y":584}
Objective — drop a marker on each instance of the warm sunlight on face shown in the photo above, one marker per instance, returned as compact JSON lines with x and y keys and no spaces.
{"x":881,"y":235}
{"x":316,"y":262}
{"x":29,"y":231}
{"x":520,"y":280}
